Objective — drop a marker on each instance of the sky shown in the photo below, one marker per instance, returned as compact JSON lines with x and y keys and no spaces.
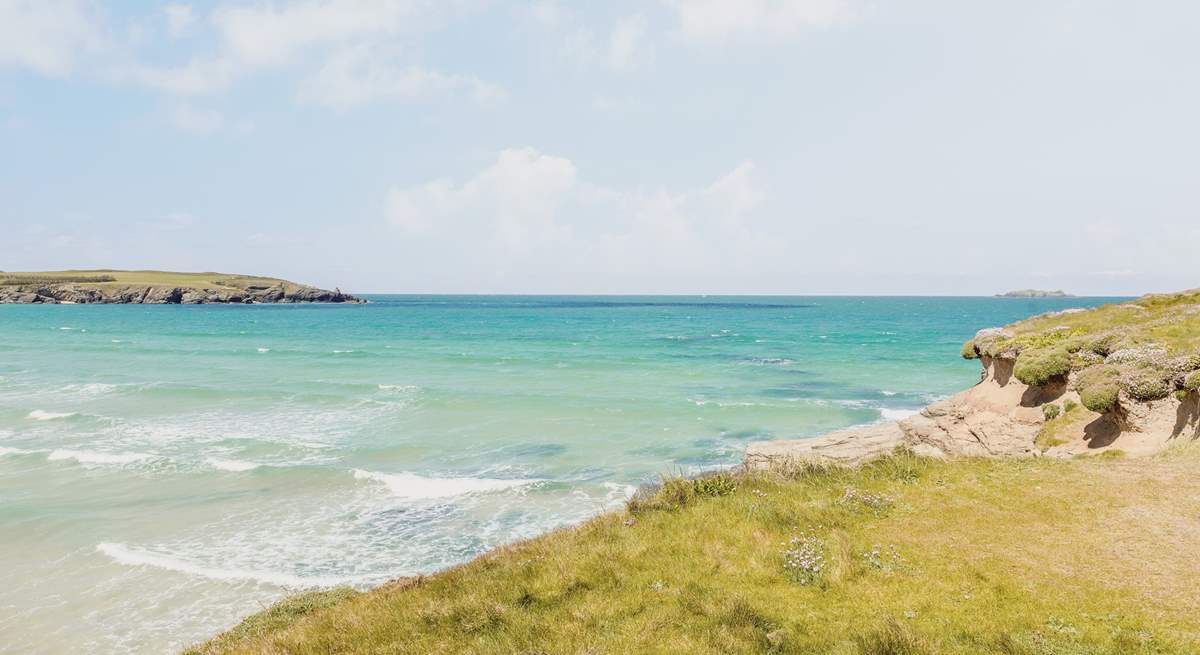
{"x":663,"y":146}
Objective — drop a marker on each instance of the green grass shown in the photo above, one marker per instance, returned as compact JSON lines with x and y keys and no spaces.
{"x":1018,"y":557}
{"x":1061,"y":425}
{"x":104,"y":278}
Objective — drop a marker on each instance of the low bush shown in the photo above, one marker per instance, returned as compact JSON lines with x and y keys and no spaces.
{"x":968,"y":350}
{"x":1051,"y":412}
{"x":1146,"y":385}
{"x":1192,"y":381}
{"x":1099,"y":388}
{"x":1040,"y":366}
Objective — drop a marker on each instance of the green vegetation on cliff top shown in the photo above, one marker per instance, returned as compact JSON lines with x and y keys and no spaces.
{"x":1144,"y":350}
{"x":103,"y":278}
{"x":901,"y":555}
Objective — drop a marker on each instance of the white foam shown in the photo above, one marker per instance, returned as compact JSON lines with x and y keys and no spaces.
{"x":888,"y":393}
{"x":341,"y":352}
{"x":406,"y":388}
{"x":4,"y":450}
{"x":90,"y":389}
{"x":40,"y":415}
{"x":123,"y":554}
{"x":618,"y":493}
{"x":897,"y":414}
{"x":409,"y":485}
{"x":234,"y":465}
{"x":264,"y":350}
{"x":89,"y":457}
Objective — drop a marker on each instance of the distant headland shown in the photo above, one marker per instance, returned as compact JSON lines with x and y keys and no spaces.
{"x":1034,"y":293}
{"x":157,"y":288}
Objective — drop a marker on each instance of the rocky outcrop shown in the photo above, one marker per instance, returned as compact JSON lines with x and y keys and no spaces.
{"x":1000,"y":417}
{"x":165,"y":295}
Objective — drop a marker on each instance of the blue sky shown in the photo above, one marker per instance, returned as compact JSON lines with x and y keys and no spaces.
{"x":667,"y":146}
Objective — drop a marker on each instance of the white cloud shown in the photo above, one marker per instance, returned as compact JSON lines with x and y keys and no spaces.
{"x":200,"y":121}
{"x":361,"y":74}
{"x":47,"y":36}
{"x":351,"y":44}
{"x":528,"y":201}
{"x":719,"y":19}
{"x":520,"y":195}
{"x":180,"y":18}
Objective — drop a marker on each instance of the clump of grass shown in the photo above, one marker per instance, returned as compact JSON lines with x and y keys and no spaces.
{"x":1099,"y":388}
{"x":1051,"y":411}
{"x":876,"y":503}
{"x":892,"y":638}
{"x":677,"y":493}
{"x":1040,"y":366}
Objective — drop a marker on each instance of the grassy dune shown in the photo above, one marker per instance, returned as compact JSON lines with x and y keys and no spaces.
{"x":903,"y":555}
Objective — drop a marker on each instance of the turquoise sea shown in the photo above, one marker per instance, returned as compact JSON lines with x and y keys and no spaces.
{"x":166,"y":470}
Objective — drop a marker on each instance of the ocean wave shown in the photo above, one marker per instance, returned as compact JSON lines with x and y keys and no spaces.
{"x":234,"y":465}
{"x":5,"y":450}
{"x":41,"y":415}
{"x":264,"y":350}
{"x":768,"y":361}
{"x":90,"y":389}
{"x":409,"y":485}
{"x":890,"y":414}
{"x":123,"y":554}
{"x":887,"y":393}
{"x":403,"y":388}
{"x":90,"y":457}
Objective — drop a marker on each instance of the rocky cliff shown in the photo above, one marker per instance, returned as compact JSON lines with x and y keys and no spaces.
{"x":1118,"y":378}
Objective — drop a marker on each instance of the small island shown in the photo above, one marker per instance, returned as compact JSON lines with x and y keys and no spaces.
{"x":1034,"y":293}
{"x":157,"y":288}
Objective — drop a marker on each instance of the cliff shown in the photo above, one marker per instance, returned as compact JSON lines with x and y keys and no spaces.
{"x":158,"y":288}
{"x":1120,"y":377}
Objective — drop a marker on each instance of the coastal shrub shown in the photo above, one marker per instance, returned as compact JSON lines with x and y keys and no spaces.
{"x":1192,"y":382}
{"x":1146,"y":385}
{"x":1104,"y":344}
{"x":1069,"y":405}
{"x":968,"y":350}
{"x":1051,"y":412}
{"x":1182,"y":394}
{"x":1040,"y":366}
{"x":1099,"y":388}
{"x":676,"y":493}
{"x":714,"y":485}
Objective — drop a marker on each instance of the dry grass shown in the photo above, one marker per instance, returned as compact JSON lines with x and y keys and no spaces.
{"x":1021,"y":557}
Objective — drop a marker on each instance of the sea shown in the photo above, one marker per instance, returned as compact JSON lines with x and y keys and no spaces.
{"x":167,"y":470}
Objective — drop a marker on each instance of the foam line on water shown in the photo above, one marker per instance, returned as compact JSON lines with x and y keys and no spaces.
{"x":128,"y":556}
{"x":42,"y":415}
{"x":408,"y":485}
{"x":89,"y":457}
{"x":234,"y":465}
{"x":890,"y":414}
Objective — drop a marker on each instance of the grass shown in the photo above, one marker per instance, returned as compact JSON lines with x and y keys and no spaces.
{"x":1059,"y":428}
{"x":111,"y":278}
{"x":902,"y":555}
